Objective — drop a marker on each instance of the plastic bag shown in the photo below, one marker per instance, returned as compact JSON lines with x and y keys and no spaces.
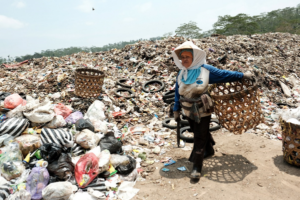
{"x":100,"y":126}
{"x":28,"y":143}
{"x":61,"y":109}
{"x":82,"y":195}
{"x":74,"y":117}
{"x":62,"y":168}
{"x":86,"y":169}
{"x":11,"y":165}
{"x":104,"y":159}
{"x":84,"y":124}
{"x":59,"y":191}
{"x":87,"y":139}
{"x":57,"y":122}
{"x":3,"y":95}
{"x":4,"y":190}
{"x":41,"y":113}
{"x":77,"y":150}
{"x":20,"y":195}
{"x":117,"y":160}
{"x":37,"y":181}
{"x":111,"y":143}
{"x":57,"y":136}
{"x":127,"y":168}
{"x":23,"y":177}
{"x":12,"y":101}
{"x":96,"y":111}
{"x":50,"y":152}
{"x":130,"y":177}
{"x":14,"y":126}
{"x":18,"y":111}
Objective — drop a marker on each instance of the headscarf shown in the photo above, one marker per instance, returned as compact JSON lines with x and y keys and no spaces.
{"x":199,"y":58}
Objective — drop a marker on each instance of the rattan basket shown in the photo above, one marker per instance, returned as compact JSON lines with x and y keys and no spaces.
{"x":237,"y":105}
{"x":291,"y":142}
{"x":88,"y":82}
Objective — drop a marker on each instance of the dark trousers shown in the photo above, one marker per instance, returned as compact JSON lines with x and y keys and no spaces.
{"x":203,"y":141}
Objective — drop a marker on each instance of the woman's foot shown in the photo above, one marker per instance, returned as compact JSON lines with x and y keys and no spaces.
{"x":196,"y":174}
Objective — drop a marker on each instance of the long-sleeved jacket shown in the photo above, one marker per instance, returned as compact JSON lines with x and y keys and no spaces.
{"x":215,"y":76}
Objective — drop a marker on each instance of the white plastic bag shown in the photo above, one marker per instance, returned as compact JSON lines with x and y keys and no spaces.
{"x":126,"y":190}
{"x":20,"y":195}
{"x":58,"y":191}
{"x":87,"y":139}
{"x":57,"y":122}
{"x":104,"y":161}
{"x":41,"y":113}
{"x":100,"y":126}
{"x":117,"y":160}
{"x":96,"y":111}
{"x":82,"y":196}
{"x":18,"y":111}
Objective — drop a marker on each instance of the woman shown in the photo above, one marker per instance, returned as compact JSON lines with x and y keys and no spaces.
{"x":191,"y":94}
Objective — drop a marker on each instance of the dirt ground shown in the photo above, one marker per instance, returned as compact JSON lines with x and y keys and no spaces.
{"x":245,"y":167}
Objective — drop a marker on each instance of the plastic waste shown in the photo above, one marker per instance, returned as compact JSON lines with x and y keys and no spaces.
{"x":100,"y":126}
{"x":57,"y":122}
{"x":74,"y":117}
{"x":28,"y":143}
{"x":62,"y":168}
{"x":59,"y":191}
{"x":87,"y":139}
{"x":110,"y":143}
{"x":5,"y":188}
{"x":86,"y":169}
{"x":37,"y":181}
{"x":58,"y":136}
{"x":126,"y":190}
{"x":23,"y":177}
{"x":83,"y":195}
{"x":11,"y":165}
{"x":20,"y":195}
{"x":2,"y":138}
{"x":96,"y":111}
{"x":104,"y":159}
{"x":50,"y":152}
{"x":84,"y":124}
{"x":127,"y":168}
{"x":130,"y":177}
{"x":3,"y":95}
{"x":63,"y":110}
{"x":13,"y":126}
{"x":117,"y":160}
{"x":13,"y":100}
{"x":41,"y":113}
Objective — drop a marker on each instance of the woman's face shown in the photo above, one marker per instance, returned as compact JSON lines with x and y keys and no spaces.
{"x":186,"y":59}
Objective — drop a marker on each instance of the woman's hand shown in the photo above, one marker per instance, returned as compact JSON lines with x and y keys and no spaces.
{"x":176,"y":116}
{"x":248,"y":75}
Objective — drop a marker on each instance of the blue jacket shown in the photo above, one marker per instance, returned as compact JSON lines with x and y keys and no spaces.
{"x":215,"y":76}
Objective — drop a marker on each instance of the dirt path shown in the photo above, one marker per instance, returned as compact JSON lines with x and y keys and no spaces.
{"x":245,"y":167}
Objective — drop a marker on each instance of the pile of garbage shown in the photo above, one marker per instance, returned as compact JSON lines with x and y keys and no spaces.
{"x":55,"y":144}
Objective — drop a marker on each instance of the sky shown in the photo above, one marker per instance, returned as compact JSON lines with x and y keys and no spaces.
{"x":29,"y":26}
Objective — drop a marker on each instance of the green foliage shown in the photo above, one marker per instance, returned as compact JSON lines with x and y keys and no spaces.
{"x":189,"y":30}
{"x":282,"y":20}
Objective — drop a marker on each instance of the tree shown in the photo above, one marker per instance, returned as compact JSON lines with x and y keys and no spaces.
{"x":189,"y":30}
{"x":239,"y":24}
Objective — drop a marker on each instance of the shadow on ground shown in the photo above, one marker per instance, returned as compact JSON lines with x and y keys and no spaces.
{"x":223,"y":169}
{"x":282,"y":165}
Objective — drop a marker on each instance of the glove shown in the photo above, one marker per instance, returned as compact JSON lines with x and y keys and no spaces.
{"x":176,"y":116}
{"x":248,"y":75}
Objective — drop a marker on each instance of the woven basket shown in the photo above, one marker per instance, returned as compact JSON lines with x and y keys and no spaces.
{"x":237,"y":105}
{"x":291,"y":143}
{"x":88,"y":82}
